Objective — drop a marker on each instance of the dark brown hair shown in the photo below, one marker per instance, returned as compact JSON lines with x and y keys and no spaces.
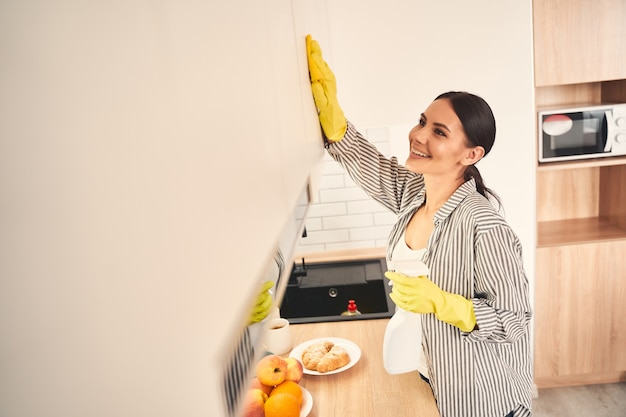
{"x":479,"y":125}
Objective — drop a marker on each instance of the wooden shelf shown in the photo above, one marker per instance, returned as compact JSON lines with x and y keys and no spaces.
{"x":574,"y":231}
{"x":585,"y":163}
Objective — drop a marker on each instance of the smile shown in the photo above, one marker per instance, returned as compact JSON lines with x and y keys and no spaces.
{"x":422,"y":155}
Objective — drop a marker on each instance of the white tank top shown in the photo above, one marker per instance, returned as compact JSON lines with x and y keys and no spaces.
{"x":402,"y":344}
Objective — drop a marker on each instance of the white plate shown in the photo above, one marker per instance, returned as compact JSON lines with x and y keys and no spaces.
{"x":307,"y":402}
{"x":352,"y":348}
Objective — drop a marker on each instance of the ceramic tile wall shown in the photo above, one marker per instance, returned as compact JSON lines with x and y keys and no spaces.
{"x":344,"y":216}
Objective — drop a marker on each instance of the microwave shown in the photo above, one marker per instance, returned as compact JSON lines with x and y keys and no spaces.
{"x":584,"y":132}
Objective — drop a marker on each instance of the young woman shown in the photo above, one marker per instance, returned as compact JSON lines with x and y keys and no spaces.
{"x":474,"y":301}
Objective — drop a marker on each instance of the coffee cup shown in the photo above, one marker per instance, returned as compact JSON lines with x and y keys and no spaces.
{"x":278,"y":336}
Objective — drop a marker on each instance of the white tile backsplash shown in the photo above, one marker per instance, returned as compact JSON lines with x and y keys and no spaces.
{"x":342,"y":194}
{"x":386,"y":218}
{"x":320,"y":210}
{"x":369,"y":233}
{"x":345,"y":217}
{"x":327,"y":236}
{"x":349,"y":222}
{"x":366,"y":206}
{"x":330,"y":167}
{"x":332,"y":181}
{"x":314,"y":224}
{"x":363,"y":244}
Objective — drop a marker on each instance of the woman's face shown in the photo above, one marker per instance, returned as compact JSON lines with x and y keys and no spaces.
{"x":438,"y":145}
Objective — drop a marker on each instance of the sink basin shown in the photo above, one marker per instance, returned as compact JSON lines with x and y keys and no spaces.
{"x":323,"y":293}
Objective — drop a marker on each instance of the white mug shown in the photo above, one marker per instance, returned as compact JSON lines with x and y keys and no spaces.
{"x":278,"y":336}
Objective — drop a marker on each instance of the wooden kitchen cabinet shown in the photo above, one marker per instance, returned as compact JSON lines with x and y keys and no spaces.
{"x":580,"y":264}
{"x":579,"y":314}
{"x":579,"y":41}
{"x":581,"y":205}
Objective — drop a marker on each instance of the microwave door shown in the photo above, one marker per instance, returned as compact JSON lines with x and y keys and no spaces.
{"x":574,"y":135}
{"x":578,"y":137}
{"x":609,"y":137}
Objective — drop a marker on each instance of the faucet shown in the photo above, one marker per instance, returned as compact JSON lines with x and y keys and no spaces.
{"x":297,"y":272}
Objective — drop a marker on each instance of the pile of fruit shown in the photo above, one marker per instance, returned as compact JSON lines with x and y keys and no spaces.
{"x":275,"y":390}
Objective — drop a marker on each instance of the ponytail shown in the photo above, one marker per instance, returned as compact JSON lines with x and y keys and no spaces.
{"x":472,"y":172}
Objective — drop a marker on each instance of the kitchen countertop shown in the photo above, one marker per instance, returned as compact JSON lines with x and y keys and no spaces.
{"x":366,"y":389}
{"x":341,"y":255}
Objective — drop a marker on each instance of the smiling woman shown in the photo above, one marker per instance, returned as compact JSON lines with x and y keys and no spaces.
{"x":462,"y":234}
{"x":473,"y":293}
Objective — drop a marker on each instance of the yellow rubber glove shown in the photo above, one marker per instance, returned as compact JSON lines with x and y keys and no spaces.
{"x":421,"y":295}
{"x":263,"y":304}
{"x":324,"y":88}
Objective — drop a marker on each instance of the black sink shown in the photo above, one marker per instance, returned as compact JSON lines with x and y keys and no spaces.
{"x":321,"y":292}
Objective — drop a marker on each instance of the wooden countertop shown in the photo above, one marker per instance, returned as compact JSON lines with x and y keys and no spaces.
{"x":366,"y":389}
{"x":341,"y":255}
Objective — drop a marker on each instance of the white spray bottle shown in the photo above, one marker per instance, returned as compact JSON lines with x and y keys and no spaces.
{"x":402,"y":344}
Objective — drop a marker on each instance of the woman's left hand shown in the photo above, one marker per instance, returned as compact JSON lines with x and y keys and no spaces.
{"x":421,"y":295}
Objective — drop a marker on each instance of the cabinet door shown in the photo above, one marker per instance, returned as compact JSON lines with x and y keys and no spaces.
{"x":579,"y":313}
{"x":579,"y":41}
{"x":151,"y":153}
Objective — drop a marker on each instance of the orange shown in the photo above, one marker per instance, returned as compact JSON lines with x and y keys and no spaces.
{"x":289,"y":387}
{"x":282,"y":404}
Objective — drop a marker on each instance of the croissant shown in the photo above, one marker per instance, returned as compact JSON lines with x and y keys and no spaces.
{"x":324,"y":357}
{"x":314,"y":353}
{"x":334,"y":359}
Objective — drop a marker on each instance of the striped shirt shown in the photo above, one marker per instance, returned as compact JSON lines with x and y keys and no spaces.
{"x":472,"y":252}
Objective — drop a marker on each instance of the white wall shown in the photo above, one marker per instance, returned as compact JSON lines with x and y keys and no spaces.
{"x":392,"y":59}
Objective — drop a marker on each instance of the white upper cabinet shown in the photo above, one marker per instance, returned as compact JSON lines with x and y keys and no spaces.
{"x":151,"y":153}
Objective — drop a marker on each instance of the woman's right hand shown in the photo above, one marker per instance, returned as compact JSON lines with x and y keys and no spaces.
{"x":324,"y":88}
